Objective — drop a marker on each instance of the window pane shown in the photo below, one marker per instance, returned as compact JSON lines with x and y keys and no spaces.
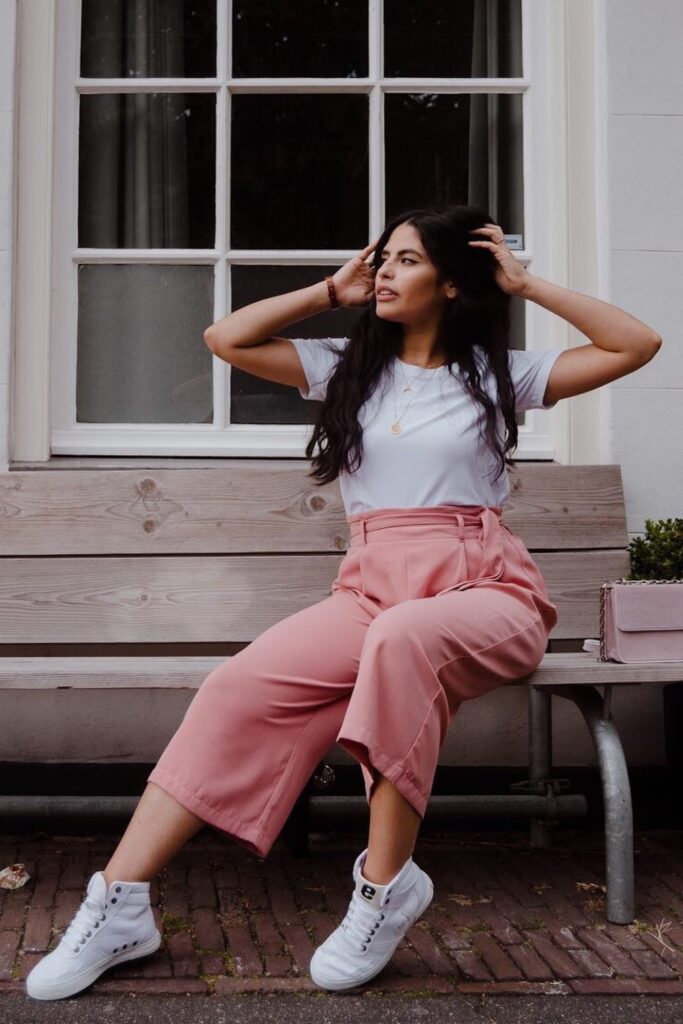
{"x":254,"y":400}
{"x":142,"y":357}
{"x":442,"y":39}
{"x":463,"y":149}
{"x":154,"y":39}
{"x":147,"y":170}
{"x":299,"y":171}
{"x":325,"y":38}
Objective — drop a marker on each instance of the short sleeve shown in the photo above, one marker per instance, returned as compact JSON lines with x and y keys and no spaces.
{"x":318,"y":356}
{"x":530,"y":372}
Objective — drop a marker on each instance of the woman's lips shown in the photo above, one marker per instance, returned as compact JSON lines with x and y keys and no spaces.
{"x":385,"y":297}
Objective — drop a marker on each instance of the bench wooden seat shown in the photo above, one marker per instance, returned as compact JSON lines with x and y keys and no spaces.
{"x":566,"y":668}
{"x":178,"y":559}
{"x":185,"y":672}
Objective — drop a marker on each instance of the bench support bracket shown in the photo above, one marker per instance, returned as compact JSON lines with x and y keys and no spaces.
{"x":616,"y":792}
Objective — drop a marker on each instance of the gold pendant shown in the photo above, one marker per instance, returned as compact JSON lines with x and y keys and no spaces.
{"x":395,"y":428}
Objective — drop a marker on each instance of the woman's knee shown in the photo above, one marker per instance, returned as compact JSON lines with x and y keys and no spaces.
{"x":392,"y":623}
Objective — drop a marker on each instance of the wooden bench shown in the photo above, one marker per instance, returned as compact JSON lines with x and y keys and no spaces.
{"x":210,"y":555}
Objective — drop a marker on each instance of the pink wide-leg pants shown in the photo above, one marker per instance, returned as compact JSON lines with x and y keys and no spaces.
{"x":430,"y":607}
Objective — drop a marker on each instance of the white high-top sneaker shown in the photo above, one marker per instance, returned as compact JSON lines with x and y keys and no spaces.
{"x":110,"y":926}
{"x":377,"y":919}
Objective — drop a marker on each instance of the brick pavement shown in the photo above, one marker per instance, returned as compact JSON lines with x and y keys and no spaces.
{"x":504,"y":919}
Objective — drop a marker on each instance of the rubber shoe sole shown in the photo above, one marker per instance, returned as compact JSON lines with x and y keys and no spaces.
{"x":77,"y":982}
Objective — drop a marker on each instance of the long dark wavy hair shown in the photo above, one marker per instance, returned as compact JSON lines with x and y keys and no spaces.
{"x":478,"y":315}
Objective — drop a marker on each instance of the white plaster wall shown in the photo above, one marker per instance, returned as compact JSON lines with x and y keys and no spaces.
{"x":644,"y":114}
{"x":7,"y":193}
{"x":8,"y":21}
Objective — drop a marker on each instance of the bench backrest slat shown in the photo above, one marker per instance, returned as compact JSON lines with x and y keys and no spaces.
{"x":206,"y":598}
{"x":256,"y":506}
{"x":219,"y":554}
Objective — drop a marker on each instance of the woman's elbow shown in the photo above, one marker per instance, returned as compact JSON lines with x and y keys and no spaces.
{"x":653,"y":346}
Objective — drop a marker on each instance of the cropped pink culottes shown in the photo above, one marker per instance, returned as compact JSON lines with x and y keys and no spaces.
{"x":430,"y":607}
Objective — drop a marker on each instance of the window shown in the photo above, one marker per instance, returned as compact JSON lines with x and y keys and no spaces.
{"x":213,"y":152}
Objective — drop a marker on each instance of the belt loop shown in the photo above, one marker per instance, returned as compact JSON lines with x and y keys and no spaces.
{"x":362,"y":532}
{"x":461,"y":526}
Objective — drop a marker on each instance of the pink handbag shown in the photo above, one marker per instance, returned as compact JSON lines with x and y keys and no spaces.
{"x":641,"y":623}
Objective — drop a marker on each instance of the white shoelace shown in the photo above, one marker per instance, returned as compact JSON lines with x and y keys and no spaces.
{"x":87,"y":919}
{"x":361,"y":923}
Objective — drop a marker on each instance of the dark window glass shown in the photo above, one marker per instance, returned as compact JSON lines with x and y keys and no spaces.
{"x":147,"y":170}
{"x":154,"y":39}
{"x":142,"y":357}
{"x":312,"y":38}
{"x":442,"y":39}
{"x":254,"y":400}
{"x":299,"y":172}
{"x":462,"y":148}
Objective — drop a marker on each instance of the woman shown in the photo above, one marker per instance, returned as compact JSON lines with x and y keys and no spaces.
{"x":435,"y":602}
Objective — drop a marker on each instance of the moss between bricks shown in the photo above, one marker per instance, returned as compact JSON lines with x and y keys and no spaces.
{"x":210,"y":981}
{"x":174,"y":923}
{"x":229,"y":960}
{"x":536,"y":924}
{"x":226,"y":958}
{"x":467,"y":929}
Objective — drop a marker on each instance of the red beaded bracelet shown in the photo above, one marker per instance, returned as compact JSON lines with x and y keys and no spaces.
{"x":332,"y":293}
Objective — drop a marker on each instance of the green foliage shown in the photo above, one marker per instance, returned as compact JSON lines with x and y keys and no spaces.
{"x":659,"y":554}
{"x":173,"y":923}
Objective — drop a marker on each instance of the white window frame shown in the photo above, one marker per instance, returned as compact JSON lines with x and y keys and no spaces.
{"x":45,"y":336}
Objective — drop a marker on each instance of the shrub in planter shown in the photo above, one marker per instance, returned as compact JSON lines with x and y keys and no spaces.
{"x":659,"y":554}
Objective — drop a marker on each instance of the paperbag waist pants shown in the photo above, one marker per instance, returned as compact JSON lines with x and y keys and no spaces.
{"x":430,"y":607}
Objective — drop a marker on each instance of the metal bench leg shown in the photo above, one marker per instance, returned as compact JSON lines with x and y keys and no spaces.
{"x":540,"y":759}
{"x":616,"y":792}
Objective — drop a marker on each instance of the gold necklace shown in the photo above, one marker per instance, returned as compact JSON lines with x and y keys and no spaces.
{"x":396,"y":425}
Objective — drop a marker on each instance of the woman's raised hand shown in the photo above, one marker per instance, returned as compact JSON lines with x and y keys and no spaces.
{"x":510,"y":275}
{"x":355,"y":282}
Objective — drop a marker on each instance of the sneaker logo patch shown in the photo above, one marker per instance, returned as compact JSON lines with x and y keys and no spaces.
{"x":367,"y":891}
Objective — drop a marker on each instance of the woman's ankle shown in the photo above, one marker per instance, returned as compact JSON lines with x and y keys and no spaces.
{"x":109,"y":877}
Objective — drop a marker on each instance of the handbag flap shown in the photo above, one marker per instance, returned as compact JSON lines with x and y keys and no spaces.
{"x":652,"y":607}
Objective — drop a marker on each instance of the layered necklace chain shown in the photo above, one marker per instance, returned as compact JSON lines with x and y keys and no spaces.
{"x":408,"y":389}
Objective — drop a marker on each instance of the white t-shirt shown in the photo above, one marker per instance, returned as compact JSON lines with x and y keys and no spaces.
{"x":438,"y":458}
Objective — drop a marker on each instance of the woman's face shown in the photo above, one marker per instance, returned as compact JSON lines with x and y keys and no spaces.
{"x":412,"y":277}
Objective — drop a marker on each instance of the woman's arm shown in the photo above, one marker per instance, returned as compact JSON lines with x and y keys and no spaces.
{"x":607,"y":326}
{"x":257,"y":322}
{"x":620,"y":343}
